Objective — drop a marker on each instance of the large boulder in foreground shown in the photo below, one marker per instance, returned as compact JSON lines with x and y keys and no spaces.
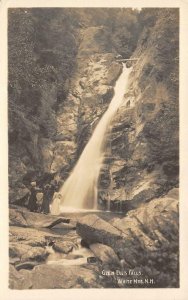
{"x":25,"y":218}
{"x":93,"y":229}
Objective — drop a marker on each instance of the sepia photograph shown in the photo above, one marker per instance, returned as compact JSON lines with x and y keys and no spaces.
{"x":93,"y":147}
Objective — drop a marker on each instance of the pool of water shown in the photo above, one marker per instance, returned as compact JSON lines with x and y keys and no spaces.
{"x":105,"y":215}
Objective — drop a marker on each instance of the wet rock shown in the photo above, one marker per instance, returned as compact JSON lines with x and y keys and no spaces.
{"x":105,"y":253}
{"x":73,"y":237}
{"x":113,"y":73}
{"x":64,"y":246}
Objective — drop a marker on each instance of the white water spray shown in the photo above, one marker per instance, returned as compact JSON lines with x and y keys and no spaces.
{"x":80,"y":189}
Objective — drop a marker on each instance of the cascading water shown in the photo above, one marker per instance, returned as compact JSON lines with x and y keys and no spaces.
{"x":80,"y":189}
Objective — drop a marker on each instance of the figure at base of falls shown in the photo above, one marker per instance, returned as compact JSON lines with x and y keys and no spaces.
{"x":49,"y":190}
{"x":32,"y":204}
{"x":57,"y":200}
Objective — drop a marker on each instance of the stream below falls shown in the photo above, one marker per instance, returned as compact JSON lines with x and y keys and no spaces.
{"x":80,"y":255}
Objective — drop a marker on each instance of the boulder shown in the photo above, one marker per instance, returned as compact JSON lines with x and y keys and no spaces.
{"x":31,"y":237}
{"x":42,"y":220}
{"x":63,"y":277}
{"x":105,"y":253}
{"x":35,"y":254}
{"x":95,"y":230}
{"x":24,"y":218}
{"x":26,"y":252}
{"x":63,"y":247}
{"x":153,"y":228}
{"x":19,"y":280}
{"x":17,"y":249}
{"x":151,"y":216}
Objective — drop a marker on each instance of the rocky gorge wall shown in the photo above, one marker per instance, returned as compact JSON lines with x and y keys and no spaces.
{"x":91,"y":90}
{"x":143,"y":158}
{"x":142,"y":154}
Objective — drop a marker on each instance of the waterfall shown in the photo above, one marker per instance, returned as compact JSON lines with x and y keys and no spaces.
{"x":80,"y":189}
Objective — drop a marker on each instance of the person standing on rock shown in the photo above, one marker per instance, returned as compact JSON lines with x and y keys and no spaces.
{"x":39,"y":197}
{"x":49,"y":190}
{"x":57,"y":199}
{"x":32,"y":204}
